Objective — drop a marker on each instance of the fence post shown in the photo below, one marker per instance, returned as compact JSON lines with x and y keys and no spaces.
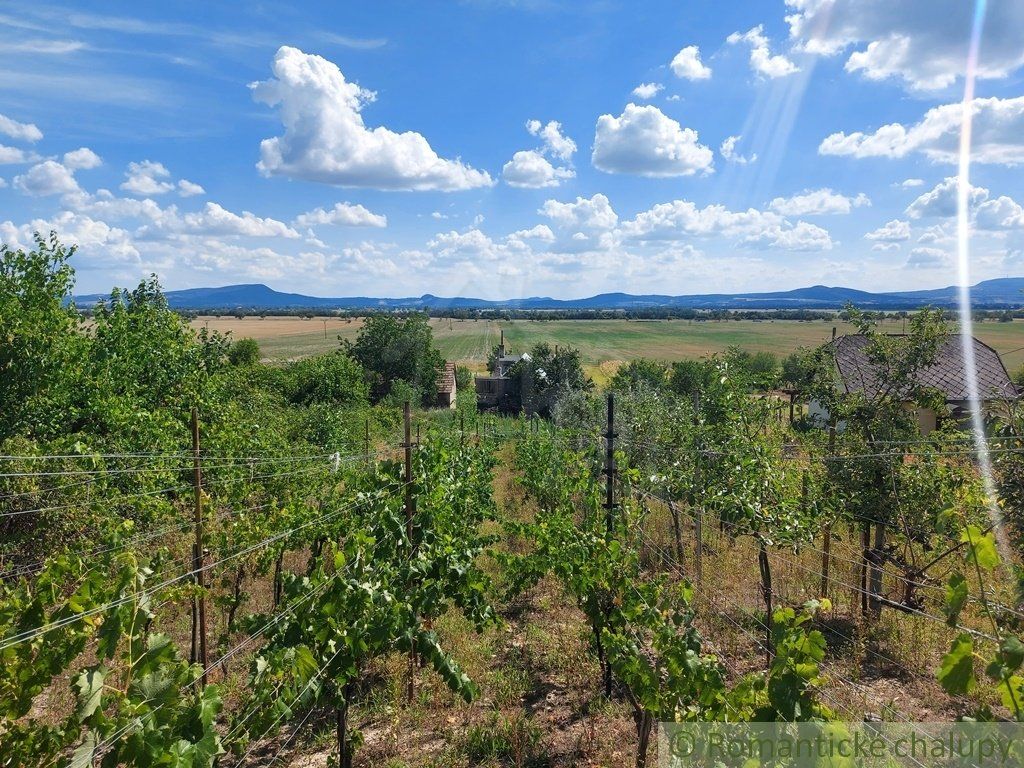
{"x":366,"y":440}
{"x":462,"y":428}
{"x":198,"y":554}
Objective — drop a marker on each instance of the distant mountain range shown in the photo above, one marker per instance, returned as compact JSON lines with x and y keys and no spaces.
{"x":999,"y":293}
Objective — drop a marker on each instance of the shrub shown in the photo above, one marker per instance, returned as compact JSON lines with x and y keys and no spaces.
{"x":335,"y":378}
{"x":244,"y":352}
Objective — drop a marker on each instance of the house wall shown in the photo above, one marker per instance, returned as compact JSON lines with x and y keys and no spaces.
{"x":926,"y":420}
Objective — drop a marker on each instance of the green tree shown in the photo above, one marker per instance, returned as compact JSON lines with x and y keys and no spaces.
{"x":335,"y":378}
{"x":799,"y":370}
{"x":463,"y":378}
{"x":689,"y":377}
{"x":244,"y":352}
{"x":391,"y":349}
{"x":147,"y":356}
{"x":879,"y":413}
{"x":641,"y":372}
{"x":42,"y":353}
{"x":546,"y":374}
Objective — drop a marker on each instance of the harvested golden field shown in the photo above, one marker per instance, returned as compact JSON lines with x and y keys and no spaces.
{"x":603,"y":344}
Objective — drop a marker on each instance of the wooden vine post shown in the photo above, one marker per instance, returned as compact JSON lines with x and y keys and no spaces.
{"x":766,"y":590}
{"x":609,"y":468}
{"x":609,"y":521}
{"x":410,"y":510}
{"x":198,"y":556}
{"x":826,"y":549}
{"x":698,"y":543}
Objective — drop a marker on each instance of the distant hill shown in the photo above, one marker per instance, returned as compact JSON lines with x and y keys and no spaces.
{"x":999,"y":293}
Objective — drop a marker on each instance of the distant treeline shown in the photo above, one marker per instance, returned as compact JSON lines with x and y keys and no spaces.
{"x":651,"y":313}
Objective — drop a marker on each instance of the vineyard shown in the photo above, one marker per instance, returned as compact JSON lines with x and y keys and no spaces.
{"x":215,"y":564}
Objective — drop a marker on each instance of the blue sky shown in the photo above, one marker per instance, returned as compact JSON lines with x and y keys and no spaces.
{"x":503,"y":149}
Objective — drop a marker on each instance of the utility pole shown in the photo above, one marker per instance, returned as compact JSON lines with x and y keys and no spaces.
{"x":198,"y":555}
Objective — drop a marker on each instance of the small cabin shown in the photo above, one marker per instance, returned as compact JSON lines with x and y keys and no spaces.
{"x":496,"y":391}
{"x":948,"y":375}
{"x":446,"y":387}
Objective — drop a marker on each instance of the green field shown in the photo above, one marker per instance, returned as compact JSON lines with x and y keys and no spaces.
{"x":603,"y":344}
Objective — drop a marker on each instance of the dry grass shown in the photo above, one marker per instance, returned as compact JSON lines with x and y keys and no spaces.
{"x":883,"y":669}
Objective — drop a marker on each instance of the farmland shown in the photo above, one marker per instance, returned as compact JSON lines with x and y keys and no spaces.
{"x":603,"y":344}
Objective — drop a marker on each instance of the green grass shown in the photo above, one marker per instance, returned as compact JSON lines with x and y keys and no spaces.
{"x":603,"y":344}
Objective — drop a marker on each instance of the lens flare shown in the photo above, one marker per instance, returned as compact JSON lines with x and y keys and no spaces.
{"x":963,"y":237}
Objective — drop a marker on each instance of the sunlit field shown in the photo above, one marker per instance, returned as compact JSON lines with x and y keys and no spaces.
{"x":603,"y":344}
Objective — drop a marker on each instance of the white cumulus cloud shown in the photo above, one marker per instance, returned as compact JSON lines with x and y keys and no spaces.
{"x":214,"y":219}
{"x":687,"y":64}
{"x":19,"y":131}
{"x":47,"y":178}
{"x":728,"y":151}
{"x":188,"y":188}
{"x":818,"y":202}
{"x":325,"y":138}
{"x":555,"y":142}
{"x":892,"y":232}
{"x":762,"y":61}
{"x":941,"y":201}
{"x":82,"y":159}
{"x":16,"y":156}
{"x":802,"y":236}
{"x":147,"y":178}
{"x":921,"y":43}
{"x":593,"y":213}
{"x":529,"y":168}
{"x":997,"y":135}
{"x":682,"y":219}
{"x":647,"y":91}
{"x":646,"y":142}
{"x":344,"y":214}
{"x":988,"y":213}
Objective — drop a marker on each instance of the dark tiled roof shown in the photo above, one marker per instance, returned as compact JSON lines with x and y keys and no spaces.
{"x":446,"y":382}
{"x":946,"y":374}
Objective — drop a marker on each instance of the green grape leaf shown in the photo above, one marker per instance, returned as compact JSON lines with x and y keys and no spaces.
{"x":1012,"y":692}
{"x":981,"y":548}
{"x":956,"y":598}
{"x":90,"y":691}
{"x":1012,"y":653}
{"x":83,"y":754}
{"x":956,"y":674}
